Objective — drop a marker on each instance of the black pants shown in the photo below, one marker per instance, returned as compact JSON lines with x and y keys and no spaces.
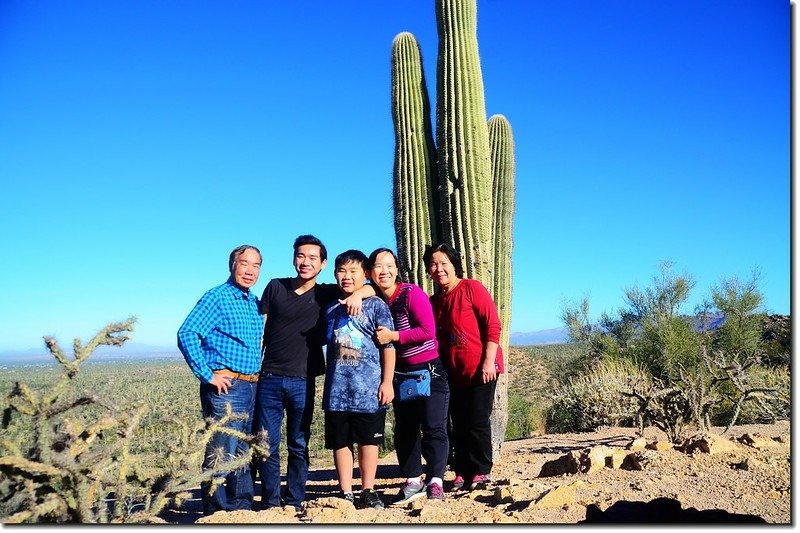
{"x":421,"y":427}
{"x":470,"y":410}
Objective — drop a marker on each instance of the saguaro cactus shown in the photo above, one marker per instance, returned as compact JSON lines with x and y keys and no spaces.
{"x":462,"y":137}
{"x":416,"y":203}
{"x":463,"y":184}
{"x":501,"y":142}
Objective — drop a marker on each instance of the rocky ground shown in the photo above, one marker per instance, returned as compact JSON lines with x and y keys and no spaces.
{"x":563,"y":478}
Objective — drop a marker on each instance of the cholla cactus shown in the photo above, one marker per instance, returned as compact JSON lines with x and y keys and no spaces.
{"x":79,"y":452}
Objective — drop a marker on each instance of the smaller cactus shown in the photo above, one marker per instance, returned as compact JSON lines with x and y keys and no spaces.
{"x":69,"y":468}
{"x":501,"y":142}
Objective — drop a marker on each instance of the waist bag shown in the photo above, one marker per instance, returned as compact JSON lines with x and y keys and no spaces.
{"x":412,"y":385}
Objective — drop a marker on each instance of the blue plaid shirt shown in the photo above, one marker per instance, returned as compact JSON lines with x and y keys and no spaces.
{"x":222,"y":331}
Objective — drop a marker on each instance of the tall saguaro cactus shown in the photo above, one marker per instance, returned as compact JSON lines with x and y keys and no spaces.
{"x":501,"y":142}
{"x":456,"y":204}
{"x":416,"y":202}
{"x":463,"y":139}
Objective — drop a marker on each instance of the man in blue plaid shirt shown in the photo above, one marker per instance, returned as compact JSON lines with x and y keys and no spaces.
{"x":221,"y":342}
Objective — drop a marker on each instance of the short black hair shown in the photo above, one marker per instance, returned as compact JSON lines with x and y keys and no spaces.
{"x":239,"y":250}
{"x":310,"y":239}
{"x":355,"y":256}
{"x":447,"y":250}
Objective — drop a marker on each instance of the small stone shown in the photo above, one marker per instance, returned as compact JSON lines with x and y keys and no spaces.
{"x":503,"y":495}
{"x":557,"y":497}
{"x":637,"y":444}
{"x":616,"y":459}
{"x":660,"y":446}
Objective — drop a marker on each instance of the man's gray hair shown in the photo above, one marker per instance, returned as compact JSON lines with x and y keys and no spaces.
{"x":239,"y":250}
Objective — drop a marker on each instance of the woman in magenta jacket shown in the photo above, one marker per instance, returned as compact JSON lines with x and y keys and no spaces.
{"x":468,"y":331}
{"x":420,"y":425}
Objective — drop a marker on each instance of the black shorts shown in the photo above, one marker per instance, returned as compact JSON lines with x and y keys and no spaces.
{"x":344,"y":428}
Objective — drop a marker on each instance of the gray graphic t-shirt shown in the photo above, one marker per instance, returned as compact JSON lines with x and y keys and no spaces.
{"x":353,"y":357}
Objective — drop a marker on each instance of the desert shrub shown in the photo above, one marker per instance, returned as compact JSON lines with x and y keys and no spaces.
{"x":764,"y":408}
{"x":703,"y":368}
{"x":595,"y":399}
{"x":75,"y":459}
{"x":525,"y":417}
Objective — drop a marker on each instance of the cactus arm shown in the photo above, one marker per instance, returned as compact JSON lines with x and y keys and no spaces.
{"x":415,"y":199}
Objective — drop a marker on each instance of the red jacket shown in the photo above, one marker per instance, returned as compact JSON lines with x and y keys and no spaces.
{"x":466,"y":319}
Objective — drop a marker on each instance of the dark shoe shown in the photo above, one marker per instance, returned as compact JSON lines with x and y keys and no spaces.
{"x":348,"y":496}
{"x":370,"y":499}
{"x":409,"y":492}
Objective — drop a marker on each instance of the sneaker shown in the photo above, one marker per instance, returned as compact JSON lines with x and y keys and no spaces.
{"x":479,"y":482}
{"x":370,"y":498}
{"x":409,"y":492}
{"x":348,"y":496}
{"x":435,"y":491}
{"x":458,"y":483}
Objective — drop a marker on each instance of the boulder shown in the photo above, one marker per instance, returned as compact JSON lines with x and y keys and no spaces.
{"x":757,"y":441}
{"x":707,"y":443}
{"x":637,"y":444}
{"x":641,"y":460}
{"x":568,"y":463}
{"x":616,"y":459}
{"x":660,"y":446}
{"x":594,"y":459}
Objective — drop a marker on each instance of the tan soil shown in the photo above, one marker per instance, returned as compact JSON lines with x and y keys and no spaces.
{"x":745,"y":480}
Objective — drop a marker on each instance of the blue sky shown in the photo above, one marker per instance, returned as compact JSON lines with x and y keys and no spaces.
{"x":141,"y":141}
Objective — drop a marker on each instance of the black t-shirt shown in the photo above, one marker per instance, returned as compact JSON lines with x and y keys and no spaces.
{"x":294,"y":333}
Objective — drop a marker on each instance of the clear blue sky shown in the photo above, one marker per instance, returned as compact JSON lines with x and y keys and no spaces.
{"x":141,"y":141}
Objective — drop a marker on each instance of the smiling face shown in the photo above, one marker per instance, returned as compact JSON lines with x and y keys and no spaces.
{"x":308,"y":261}
{"x":442,"y":271}
{"x":246,"y":268}
{"x":384,"y":273}
{"x":350,"y":276}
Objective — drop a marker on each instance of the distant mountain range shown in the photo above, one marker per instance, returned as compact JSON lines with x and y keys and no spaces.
{"x":543,"y":336}
{"x":129,"y":350}
{"x":137,"y":350}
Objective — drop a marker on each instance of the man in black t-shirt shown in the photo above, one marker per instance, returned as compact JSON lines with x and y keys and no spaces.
{"x":293,"y":340}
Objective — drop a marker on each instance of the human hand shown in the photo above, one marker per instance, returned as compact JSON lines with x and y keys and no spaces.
{"x":385,"y":393}
{"x":352,"y":303}
{"x":488,"y":371}
{"x":221,"y":383}
{"x":386,"y":335}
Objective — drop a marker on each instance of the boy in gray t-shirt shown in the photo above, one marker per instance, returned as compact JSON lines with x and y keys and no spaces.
{"x":358,"y":380}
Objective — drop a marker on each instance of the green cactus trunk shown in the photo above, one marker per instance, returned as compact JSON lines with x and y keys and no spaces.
{"x":501,"y":141}
{"x":455,"y":205}
{"x":463,"y":140}
{"x":415,"y":199}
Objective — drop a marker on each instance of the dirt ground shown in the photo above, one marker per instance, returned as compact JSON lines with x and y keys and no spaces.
{"x":744,"y":480}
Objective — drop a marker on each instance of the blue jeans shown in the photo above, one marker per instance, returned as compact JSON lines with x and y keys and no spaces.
{"x":295,"y":395}
{"x":237,"y":490}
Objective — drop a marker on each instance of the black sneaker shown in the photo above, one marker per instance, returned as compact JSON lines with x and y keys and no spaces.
{"x":370,"y":499}
{"x":348,"y":496}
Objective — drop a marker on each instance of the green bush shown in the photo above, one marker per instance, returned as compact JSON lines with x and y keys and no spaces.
{"x":766,"y":408}
{"x":595,"y":399}
{"x":525,"y":417}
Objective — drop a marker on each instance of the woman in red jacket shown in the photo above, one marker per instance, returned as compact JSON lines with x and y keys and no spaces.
{"x":468,"y":331}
